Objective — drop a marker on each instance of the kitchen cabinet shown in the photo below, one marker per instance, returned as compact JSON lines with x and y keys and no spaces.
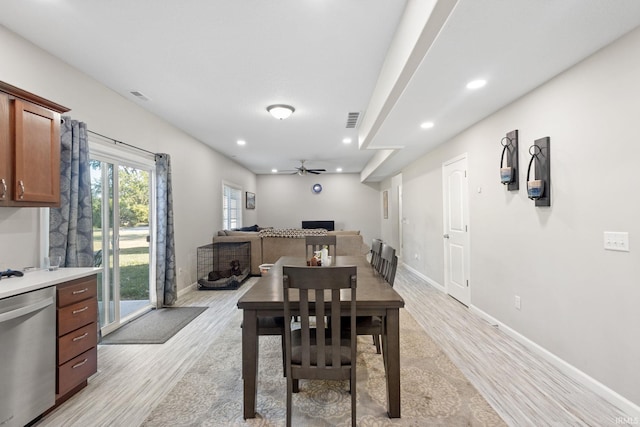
{"x":29,"y":149}
{"x":77,"y":335}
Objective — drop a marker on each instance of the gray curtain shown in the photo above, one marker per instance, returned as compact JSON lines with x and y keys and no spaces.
{"x":71,"y":225}
{"x":166,"y":286}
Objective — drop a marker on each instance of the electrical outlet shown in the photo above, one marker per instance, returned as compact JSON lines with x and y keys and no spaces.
{"x":517,"y":302}
{"x":616,"y":241}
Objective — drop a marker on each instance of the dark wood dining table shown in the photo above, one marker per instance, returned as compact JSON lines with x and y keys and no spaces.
{"x":374,"y":298}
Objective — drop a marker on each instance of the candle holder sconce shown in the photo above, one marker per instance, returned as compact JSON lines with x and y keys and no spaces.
{"x":509,"y":161}
{"x":539,"y":186}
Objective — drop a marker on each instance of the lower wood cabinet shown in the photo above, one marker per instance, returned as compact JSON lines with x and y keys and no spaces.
{"x":77,"y":317}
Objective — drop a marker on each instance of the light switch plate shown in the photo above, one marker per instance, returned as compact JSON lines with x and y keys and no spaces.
{"x":616,"y":241}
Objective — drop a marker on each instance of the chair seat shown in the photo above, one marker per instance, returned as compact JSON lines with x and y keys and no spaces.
{"x":296,"y":348}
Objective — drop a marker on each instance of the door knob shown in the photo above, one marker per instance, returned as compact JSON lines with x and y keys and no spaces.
{"x":446,"y":236}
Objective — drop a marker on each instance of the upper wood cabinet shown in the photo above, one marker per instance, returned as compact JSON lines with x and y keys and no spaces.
{"x":29,"y":149}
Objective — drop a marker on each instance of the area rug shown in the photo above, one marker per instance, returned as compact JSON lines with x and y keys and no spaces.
{"x":433,"y":391}
{"x":154,"y":327}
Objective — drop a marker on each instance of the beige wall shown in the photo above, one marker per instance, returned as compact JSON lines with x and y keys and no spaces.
{"x":197,"y":170}
{"x":283,"y":201}
{"x":579,"y":302}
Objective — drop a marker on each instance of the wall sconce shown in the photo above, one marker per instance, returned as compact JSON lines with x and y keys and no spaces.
{"x":539,"y":186}
{"x":509,"y":160}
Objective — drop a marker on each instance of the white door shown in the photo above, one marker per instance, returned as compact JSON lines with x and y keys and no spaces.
{"x":456,"y":229}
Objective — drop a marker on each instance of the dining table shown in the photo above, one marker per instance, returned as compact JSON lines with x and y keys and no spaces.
{"x":374,"y":297}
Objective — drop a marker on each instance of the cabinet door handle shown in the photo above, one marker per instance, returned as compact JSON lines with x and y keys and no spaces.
{"x":77,"y":365}
{"x":3,"y":182}
{"x":81,"y":337}
{"x":80,"y":310}
{"x":80,"y":291}
{"x":21,"y":184}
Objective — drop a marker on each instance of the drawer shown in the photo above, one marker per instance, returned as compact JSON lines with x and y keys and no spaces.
{"x":77,"y":370}
{"x":77,"y":315}
{"x":76,"y":290}
{"x":77,"y":342}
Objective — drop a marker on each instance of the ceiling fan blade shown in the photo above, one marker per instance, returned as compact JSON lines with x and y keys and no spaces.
{"x":317,"y":170}
{"x":313,"y":171}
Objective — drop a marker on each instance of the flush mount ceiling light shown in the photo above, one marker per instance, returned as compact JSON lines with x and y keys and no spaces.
{"x":280,"y":111}
{"x":426,"y":125}
{"x":476,"y":84}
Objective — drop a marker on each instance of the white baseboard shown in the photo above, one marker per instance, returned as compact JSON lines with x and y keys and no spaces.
{"x":566,"y":368}
{"x":425,"y":278}
{"x":191,"y":287}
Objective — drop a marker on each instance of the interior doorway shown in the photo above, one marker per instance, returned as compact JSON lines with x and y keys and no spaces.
{"x":123,"y":219}
{"x":456,"y":229}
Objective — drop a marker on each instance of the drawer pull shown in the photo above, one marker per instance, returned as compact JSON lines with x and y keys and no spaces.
{"x":81,"y":291}
{"x":21,"y":185}
{"x":80,"y":310}
{"x":77,"y":365}
{"x":81,"y":337}
{"x":3,"y":185}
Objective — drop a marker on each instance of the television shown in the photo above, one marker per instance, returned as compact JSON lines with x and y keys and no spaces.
{"x":328,"y":225}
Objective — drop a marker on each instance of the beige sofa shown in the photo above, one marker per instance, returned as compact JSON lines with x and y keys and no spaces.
{"x":267,"y":250}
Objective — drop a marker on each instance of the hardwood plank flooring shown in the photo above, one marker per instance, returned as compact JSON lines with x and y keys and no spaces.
{"x":524,"y":389}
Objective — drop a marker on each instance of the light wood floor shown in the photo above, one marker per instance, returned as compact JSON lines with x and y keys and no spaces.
{"x":524,"y":389}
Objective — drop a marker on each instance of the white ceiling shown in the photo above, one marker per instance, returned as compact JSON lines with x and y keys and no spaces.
{"x":211,"y":67}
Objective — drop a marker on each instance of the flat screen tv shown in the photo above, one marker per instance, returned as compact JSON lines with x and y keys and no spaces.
{"x":329,"y":225}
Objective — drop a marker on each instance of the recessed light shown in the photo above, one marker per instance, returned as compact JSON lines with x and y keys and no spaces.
{"x":241,"y":142}
{"x":476,"y":84}
{"x":274,"y":170}
{"x":426,"y":125}
{"x":347,"y":140}
{"x":338,"y":169}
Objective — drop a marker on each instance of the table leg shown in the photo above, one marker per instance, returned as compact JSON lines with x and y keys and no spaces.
{"x":250,"y":362}
{"x":392,"y":353}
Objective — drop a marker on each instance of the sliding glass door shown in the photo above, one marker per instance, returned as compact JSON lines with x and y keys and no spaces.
{"x":122,"y":216}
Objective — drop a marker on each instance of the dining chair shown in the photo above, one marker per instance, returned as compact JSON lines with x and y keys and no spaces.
{"x":386,"y":259}
{"x":372,"y":325}
{"x":376,"y":248}
{"x":320,"y":352}
{"x":316,"y":243}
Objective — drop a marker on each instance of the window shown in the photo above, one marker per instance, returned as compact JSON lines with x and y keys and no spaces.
{"x":231,"y":207}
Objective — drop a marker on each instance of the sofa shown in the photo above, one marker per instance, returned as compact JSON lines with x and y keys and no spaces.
{"x":268,"y":245}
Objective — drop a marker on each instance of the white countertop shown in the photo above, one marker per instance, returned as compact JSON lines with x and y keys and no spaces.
{"x":38,"y":279}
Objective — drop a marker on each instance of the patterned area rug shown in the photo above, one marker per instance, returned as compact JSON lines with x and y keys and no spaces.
{"x":434,"y":392}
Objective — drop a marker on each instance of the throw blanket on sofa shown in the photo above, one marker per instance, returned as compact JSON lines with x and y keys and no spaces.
{"x":295,"y":233}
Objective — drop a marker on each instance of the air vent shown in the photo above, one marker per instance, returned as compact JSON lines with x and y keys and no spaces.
{"x":141,"y":96}
{"x":352,"y":120}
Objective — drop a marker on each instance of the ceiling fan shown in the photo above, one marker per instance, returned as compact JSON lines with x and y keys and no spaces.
{"x":302,"y":170}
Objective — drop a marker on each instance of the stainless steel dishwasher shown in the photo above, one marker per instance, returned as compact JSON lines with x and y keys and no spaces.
{"x":27,"y":356}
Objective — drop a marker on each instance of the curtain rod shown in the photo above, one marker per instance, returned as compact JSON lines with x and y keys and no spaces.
{"x":122,"y":143}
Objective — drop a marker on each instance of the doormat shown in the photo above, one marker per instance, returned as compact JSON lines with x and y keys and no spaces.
{"x":154,"y":327}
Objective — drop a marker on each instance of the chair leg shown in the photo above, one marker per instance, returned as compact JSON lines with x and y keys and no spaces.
{"x":296,"y":386}
{"x":289,"y":391}
{"x":284,"y":354}
{"x":353,"y":401}
{"x":376,"y":341}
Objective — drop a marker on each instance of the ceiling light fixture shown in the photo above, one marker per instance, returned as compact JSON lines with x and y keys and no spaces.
{"x":426,"y":125}
{"x":338,"y":169}
{"x":476,"y":84}
{"x":347,"y":141}
{"x":280,"y":111}
{"x":274,"y":170}
{"x":241,"y":142}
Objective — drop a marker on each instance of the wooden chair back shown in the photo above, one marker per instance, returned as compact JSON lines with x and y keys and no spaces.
{"x":390,"y":277}
{"x":316,"y":243}
{"x":386,"y":259}
{"x":318,"y":352}
{"x":376,"y":248}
